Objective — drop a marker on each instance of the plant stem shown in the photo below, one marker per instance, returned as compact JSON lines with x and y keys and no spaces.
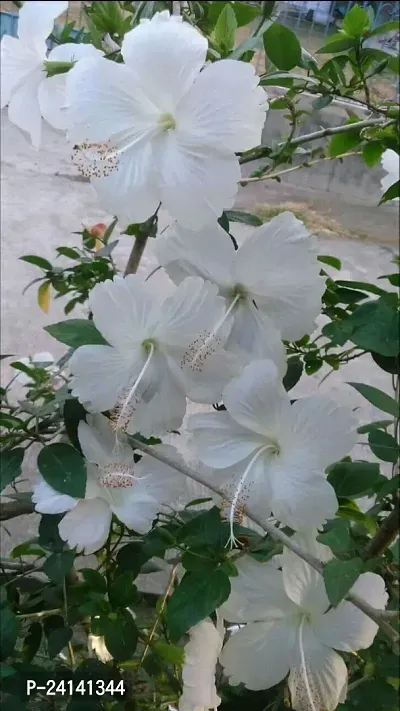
{"x":261,"y":152}
{"x":378,"y":616}
{"x":70,"y":648}
{"x":146,"y":230}
{"x":15,"y":508}
{"x":385,"y":535}
{"x":306,"y":164}
{"x":162,"y":606}
{"x":43,"y":613}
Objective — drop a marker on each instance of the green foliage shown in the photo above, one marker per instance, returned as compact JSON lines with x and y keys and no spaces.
{"x":10,"y":466}
{"x":76,"y":332}
{"x":196,"y":597}
{"x":63,"y":468}
{"x":340,"y":576}
{"x":353,"y":479}
{"x":282,"y":47}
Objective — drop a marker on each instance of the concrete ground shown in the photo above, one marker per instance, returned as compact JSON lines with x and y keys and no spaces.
{"x":44,"y":201}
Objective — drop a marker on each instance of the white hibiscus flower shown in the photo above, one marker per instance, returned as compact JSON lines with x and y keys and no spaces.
{"x":271,"y":455}
{"x":291,"y":628}
{"x":24,"y":82}
{"x":162,"y":127}
{"x":272,"y":281}
{"x":198,"y":674}
{"x":38,"y":360}
{"x":391,"y":164}
{"x":157,"y":353}
{"x":134,"y":492}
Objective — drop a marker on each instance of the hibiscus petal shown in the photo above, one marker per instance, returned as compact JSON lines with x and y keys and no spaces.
{"x":225,"y":108}
{"x":347,"y":628}
{"x":86,"y":526}
{"x":98,"y":442}
{"x":196,"y":184}
{"x":297,"y":499}
{"x":36,"y":22}
{"x":198,"y":673}
{"x":254,"y":332}
{"x":100,"y":374}
{"x":168,"y":56}
{"x":49,"y":501}
{"x":121,"y":308}
{"x":257,"y":399}
{"x":318,"y":676}
{"x":18,"y":63}
{"x":322,"y":429}
{"x":165,"y":411}
{"x":304,"y":585}
{"x":257,"y":593}
{"x":220,"y":442}
{"x":24,"y":109}
{"x":278,"y":265}
{"x":207,"y":252}
{"x":260,"y":654}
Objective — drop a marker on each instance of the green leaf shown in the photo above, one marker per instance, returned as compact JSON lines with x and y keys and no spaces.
{"x":121,"y":636}
{"x":340,"y":576}
{"x":356,"y":22}
{"x":63,"y":468}
{"x":374,"y":695}
{"x":10,"y":466}
{"x":32,"y":642}
{"x":245,"y":217}
{"x":337,"y":537}
{"x":282,"y":47}
{"x":331,"y":261}
{"x":76,"y":332}
{"x":389,"y":486}
{"x":122,"y":591}
{"x":372,"y":153}
{"x":196,"y":597}
{"x":170,"y":652}
{"x":94,"y":580}
{"x":6,"y":670}
{"x":338,"y":42}
{"x":380,"y":424}
{"x":68,"y":252}
{"x":49,"y":536}
{"x":27,"y":548}
{"x":353,"y":478}
{"x":57,"y":640}
{"x":377,"y":398}
{"x":10,"y":422}
{"x":9,"y":630}
{"x":58,"y":565}
{"x":391,"y":193}
{"x":384,"y":28}
{"x":384,"y":446}
{"x":205,"y":529}
{"x":373,"y":326}
{"x":293,"y":373}
{"x":37,"y":261}
{"x":343,"y":143}
{"x":73,"y":413}
{"x":224,"y":32}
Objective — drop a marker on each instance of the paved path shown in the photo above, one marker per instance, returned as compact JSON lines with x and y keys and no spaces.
{"x":44,"y":201}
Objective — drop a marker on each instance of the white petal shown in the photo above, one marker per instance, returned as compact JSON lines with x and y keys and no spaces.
{"x":98,"y":443}
{"x":49,"y":501}
{"x":257,"y":593}
{"x":260,"y":654}
{"x":304,"y":585}
{"x":220,"y":442}
{"x":121,"y":309}
{"x":298,"y":499}
{"x":130,"y":192}
{"x":279,"y":267}
{"x":100,"y":373}
{"x":257,"y":334}
{"x":52,"y":98}
{"x":257,"y":399}
{"x":43,"y":357}
{"x":225,"y":108}
{"x":168,"y":56}
{"x":196,"y":185}
{"x":347,"y":628}
{"x":207,"y":384}
{"x":390,"y":163}
{"x":321,"y":431}
{"x":198,"y":673}
{"x":166,"y":409}
{"x":24,"y":109}
{"x":18,"y":64}
{"x":207,"y":252}
{"x":317,"y":680}
{"x":156,"y":485}
{"x":193,"y":307}
{"x":73,"y":52}
{"x":36,"y":22}
{"x":86,"y":527}
{"x":126,"y":115}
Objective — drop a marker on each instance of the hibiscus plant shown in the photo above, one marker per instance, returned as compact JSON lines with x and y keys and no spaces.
{"x":207,"y":538}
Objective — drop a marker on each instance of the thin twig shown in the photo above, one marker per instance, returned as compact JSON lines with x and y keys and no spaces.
{"x":378,"y":616}
{"x":306,"y":164}
{"x":42,"y":613}
{"x":70,"y":648}
{"x":161,"y":610}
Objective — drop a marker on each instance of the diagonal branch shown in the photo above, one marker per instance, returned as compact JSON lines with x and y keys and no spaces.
{"x":380,"y":617}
